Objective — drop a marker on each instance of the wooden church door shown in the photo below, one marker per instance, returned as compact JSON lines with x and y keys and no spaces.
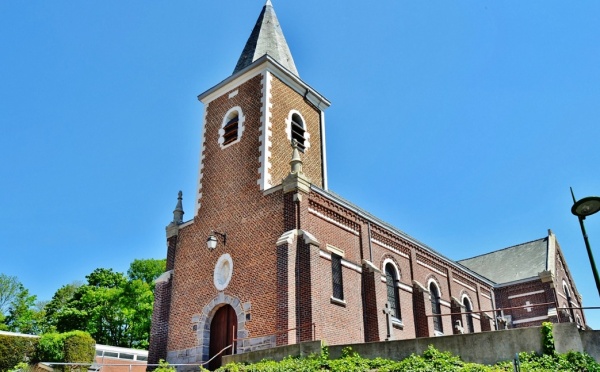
{"x":223,"y":329}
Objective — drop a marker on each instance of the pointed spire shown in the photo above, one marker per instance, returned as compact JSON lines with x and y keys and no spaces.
{"x":267,"y":38}
{"x":178,"y":212}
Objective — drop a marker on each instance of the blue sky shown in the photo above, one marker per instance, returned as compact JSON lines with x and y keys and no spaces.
{"x":462,"y":123}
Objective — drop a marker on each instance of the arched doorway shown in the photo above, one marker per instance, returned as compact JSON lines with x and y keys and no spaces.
{"x":223,"y":330}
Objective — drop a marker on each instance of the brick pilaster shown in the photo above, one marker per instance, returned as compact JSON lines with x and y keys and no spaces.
{"x":420,"y":302}
{"x":370,"y":275}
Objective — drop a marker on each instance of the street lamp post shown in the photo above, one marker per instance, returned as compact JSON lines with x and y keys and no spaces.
{"x":583,"y":208}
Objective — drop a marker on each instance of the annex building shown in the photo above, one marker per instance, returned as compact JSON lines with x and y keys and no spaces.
{"x":272,"y":257}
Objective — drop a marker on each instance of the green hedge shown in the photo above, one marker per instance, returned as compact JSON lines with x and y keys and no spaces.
{"x":79,"y":347}
{"x":70,"y":347}
{"x":15,"y":349}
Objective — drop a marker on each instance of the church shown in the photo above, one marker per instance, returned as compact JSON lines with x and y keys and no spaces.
{"x":272,"y":257}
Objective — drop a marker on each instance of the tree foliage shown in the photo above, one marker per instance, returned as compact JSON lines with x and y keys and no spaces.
{"x":58,"y":303}
{"x":115,"y":309}
{"x":10,"y":287}
{"x":146,"y":270}
{"x":19,"y":310}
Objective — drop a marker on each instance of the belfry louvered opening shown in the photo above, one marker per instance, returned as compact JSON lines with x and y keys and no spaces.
{"x":298,"y":131}
{"x":231,"y":128}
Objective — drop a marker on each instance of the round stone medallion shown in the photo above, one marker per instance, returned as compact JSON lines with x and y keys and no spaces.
{"x":223,"y":272}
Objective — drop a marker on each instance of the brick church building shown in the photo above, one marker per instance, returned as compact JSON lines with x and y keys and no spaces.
{"x":272,"y":257}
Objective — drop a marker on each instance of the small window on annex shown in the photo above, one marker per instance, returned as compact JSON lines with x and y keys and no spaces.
{"x":469,"y":311}
{"x":393,"y":296}
{"x":336,"y":275}
{"x":298,"y":131}
{"x":436,"y":309}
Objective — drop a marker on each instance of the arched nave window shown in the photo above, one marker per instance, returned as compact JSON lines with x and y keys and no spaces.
{"x":436,"y":309}
{"x":469,"y":311}
{"x":393,"y":297}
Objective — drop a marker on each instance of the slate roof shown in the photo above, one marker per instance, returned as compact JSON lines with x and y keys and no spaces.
{"x":507,"y":265}
{"x":267,"y":38}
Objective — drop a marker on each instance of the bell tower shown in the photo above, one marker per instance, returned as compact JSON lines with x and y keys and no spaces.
{"x":252,"y":117}
{"x":251,"y":120}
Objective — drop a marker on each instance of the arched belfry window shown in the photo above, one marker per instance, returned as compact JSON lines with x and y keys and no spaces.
{"x":436,"y":309}
{"x":232,"y":127}
{"x":469,"y":311}
{"x":296,"y":130}
{"x":393,"y":297}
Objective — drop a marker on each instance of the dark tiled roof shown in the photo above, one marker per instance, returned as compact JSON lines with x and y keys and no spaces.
{"x":267,"y":38}
{"x":511,"y":264}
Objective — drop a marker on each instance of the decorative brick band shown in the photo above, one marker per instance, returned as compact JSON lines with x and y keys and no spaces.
{"x":390,"y":244}
{"x":463,"y":284}
{"x":334,"y":221}
{"x":384,"y":245}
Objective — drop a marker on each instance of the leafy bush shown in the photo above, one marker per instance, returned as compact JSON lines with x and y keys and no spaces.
{"x":79,"y":347}
{"x":547,"y":338}
{"x":164,"y":367}
{"x":432,"y":360}
{"x":14,"y":349}
{"x":49,"y":348}
{"x":69,"y":347}
{"x":21,"y":367}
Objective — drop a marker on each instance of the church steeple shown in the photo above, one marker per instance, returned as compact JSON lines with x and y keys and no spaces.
{"x":267,"y":38}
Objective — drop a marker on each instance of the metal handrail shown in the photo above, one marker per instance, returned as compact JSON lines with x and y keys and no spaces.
{"x":312,"y":325}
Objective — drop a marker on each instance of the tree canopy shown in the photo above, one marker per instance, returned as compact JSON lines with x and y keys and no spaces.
{"x":114,"y":308}
{"x":17,"y":307}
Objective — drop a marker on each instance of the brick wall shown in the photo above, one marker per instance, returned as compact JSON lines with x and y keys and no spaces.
{"x":283,"y":100}
{"x":563,"y":276}
{"x":160,"y":322}
{"x":231,"y":203}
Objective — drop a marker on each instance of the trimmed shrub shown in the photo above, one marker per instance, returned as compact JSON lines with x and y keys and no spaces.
{"x":14,"y":349}
{"x":69,"y":347}
{"x":79,"y":347}
{"x":49,"y":348}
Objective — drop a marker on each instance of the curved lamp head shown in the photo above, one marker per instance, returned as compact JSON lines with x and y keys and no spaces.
{"x":211,"y":242}
{"x":586,"y":206}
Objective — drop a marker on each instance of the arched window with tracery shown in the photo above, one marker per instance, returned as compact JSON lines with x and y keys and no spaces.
{"x":436,"y":310}
{"x":469,"y":311}
{"x":393,"y":296}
